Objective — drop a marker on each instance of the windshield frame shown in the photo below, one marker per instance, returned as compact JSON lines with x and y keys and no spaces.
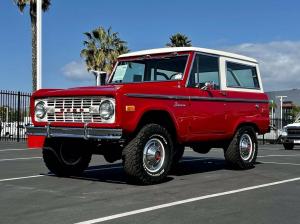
{"x":154,"y":56}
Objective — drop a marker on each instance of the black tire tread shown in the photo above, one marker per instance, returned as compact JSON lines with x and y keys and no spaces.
{"x":54,"y":163}
{"x":232,"y":154}
{"x":132,"y":156}
{"x":288,"y":146}
{"x":178,"y":154}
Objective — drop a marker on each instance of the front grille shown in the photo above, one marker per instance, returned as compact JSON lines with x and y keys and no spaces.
{"x":293,"y":131}
{"x":72,"y":110}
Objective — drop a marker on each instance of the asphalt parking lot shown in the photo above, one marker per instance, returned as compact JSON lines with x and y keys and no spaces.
{"x":201,"y":190}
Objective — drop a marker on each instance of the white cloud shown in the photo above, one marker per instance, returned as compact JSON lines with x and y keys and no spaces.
{"x":76,"y":71}
{"x":279,"y":62}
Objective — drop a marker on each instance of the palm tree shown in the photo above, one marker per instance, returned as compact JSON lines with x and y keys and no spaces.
{"x":102,"y":49}
{"x":272,"y":105}
{"x":21,"y":4}
{"x":179,"y":40}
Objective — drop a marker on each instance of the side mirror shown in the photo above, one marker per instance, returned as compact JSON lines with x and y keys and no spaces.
{"x":210,"y":85}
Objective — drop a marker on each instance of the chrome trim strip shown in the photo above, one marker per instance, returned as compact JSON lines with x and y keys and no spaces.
{"x":86,"y":133}
{"x":195,"y":98}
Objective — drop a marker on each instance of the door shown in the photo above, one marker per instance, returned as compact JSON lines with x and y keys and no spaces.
{"x":207,"y":105}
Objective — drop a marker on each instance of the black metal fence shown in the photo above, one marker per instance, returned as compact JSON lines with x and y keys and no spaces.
{"x":279,"y":124}
{"x":14,"y":115}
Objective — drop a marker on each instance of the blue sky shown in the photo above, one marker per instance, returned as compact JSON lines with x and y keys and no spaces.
{"x":267,"y":30}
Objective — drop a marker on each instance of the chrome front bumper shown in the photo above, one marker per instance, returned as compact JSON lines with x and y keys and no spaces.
{"x":65,"y":132}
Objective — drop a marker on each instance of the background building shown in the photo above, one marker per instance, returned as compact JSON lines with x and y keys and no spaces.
{"x":291,"y":104}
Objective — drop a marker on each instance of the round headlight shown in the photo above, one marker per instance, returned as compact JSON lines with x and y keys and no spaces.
{"x":284,"y":132}
{"x":40,"y":110}
{"x":106,"y":109}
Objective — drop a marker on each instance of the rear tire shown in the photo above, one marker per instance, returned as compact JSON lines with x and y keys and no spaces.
{"x":288,"y":146}
{"x":242,"y":150}
{"x":66,"y":158}
{"x":147,"y":158}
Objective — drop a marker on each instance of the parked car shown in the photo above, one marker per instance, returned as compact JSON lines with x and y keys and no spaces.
{"x":291,"y":134}
{"x":155,"y":103}
{"x":10,"y":129}
{"x":7,"y":128}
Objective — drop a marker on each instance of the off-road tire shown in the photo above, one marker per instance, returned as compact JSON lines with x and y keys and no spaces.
{"x":178,"y":153}
{"x":233,"y":155}
{"x":132,"y":155}
{"x":52,"y":155}
{"x":288,"y":146}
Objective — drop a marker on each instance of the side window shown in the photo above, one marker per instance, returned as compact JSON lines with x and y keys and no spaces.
{"x":205,"y":69}
{"x":241,"y":76}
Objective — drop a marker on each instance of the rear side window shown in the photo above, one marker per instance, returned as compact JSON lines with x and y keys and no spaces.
{"x":241,"y":76}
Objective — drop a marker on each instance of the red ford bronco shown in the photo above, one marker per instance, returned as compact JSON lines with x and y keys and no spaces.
{"x":154,"y":104}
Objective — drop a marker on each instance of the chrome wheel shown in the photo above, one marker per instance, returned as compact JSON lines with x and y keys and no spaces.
{"x":246,"y":147}
{"x":153,"y":155}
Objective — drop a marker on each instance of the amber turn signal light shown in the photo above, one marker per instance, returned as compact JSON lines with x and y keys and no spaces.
{"x":130,"y":108}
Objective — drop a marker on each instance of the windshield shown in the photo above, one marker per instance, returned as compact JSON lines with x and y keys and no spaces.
{"x":150,"y":69}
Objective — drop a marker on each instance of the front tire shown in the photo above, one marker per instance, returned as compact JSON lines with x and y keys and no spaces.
{"x":178,"y":154}
{"x":66,"y":158}
{"x":147,"y":158}
{"x":242,"y":150}
{"x":288,"y":146}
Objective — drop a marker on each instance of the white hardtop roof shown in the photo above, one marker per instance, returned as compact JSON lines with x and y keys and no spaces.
{"x":180,"y":49}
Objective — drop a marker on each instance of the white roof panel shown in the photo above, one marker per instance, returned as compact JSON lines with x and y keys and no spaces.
{"x":180,"y":49}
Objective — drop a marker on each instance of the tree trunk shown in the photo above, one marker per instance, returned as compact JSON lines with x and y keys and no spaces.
{"x":34,"y":47}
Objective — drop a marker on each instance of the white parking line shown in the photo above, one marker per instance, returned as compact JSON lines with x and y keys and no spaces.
{"x":20,"y":178}
{"x":23,"y":158}
{"x":293,"y":164}
{"x":167,"y":205}
{"x":278,"y":156}
{"x":5,"y":150}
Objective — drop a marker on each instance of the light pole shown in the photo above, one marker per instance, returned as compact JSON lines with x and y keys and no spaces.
{"x":39,"y":44}
{"x":99,"y":75}
{"x":281,"y":102}
{"x":272,"y":112}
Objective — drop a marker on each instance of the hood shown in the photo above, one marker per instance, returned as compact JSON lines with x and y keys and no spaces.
{"x":107,"y":90}
{"x":293,"y":125}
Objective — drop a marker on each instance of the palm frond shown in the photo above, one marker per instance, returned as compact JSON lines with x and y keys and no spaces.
{"x":102,"y":48}
{"x":179,"y":40}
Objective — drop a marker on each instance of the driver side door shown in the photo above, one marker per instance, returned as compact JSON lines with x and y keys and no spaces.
{"x":207,"y":105}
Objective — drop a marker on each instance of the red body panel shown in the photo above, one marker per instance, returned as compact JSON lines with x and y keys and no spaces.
{"x":198,"y":115}
{"x":35,"y":142}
